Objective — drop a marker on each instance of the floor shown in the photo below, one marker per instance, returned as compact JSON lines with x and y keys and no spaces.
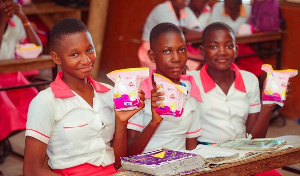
{"x":13,"y":164}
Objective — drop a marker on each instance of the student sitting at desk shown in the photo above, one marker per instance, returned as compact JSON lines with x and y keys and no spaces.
{"x":235,"y":14}
{"x":231,"y":107}
{"x":14,"y":27}
{"x":172,"y":11}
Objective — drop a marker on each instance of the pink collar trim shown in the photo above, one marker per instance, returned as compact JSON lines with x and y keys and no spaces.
{"x":206,"y":9}
{"x":146,"y":86}
{"x":61,"y":90}
{"x":12,"y":23}
{"x":208,"y":83}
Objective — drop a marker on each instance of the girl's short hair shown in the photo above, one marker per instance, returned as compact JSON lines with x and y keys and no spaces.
{"x":214,"y":27}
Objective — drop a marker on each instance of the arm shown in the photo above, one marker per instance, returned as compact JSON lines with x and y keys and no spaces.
{"x":138,"y":141}
{"x":120,"y":137}
{"x":191,"y":143}
{"x":34,"y":156}
{"x":257,"y":123}
{"x":14,"y":8}
{"x":3,"y":22}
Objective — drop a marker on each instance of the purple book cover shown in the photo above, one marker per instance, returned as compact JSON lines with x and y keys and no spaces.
{"x":157,"y":157}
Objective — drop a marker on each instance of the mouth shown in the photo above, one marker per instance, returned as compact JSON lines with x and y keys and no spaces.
{"x":222,"y":60}
{"x":176,"y":69}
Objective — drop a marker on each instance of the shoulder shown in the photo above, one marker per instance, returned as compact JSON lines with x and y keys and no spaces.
{"x":249,"y":78}
{"x":218,"y":5}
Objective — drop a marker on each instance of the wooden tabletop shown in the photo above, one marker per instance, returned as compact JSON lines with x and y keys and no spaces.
{"x":14,"y":65}
{"x":253,"y":38}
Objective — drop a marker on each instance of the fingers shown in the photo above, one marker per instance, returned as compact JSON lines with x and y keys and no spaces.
{"x":142,"y":95}
{"x":156,"y":97}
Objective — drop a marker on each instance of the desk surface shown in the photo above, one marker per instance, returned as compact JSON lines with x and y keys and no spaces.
{"x":264,"y":162}
{"x":254,"y":38}
{"x":14,"y":65}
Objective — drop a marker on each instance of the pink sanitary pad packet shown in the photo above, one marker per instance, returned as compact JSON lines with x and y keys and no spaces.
{"x":276,"y":84}
{"x":28,"y":50}
{"x":127,"y":83}
{"x":173,"y":105}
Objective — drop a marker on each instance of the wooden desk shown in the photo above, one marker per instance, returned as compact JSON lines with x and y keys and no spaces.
{"x":50,"y":12}
{"x":14,"y":65}
{"x":264,"y":162}
{"x":259,"y":38}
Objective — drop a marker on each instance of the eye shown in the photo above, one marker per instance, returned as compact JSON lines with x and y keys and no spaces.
{"x":74,"y":54}
{"x":90,"y":50}
{"x":229,"y":46}
{"x":182,"y":50}
{"x":167,"y":51}
{"x":213,"y":47}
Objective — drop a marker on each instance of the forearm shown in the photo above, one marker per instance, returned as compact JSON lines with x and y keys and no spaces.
{"x":137,"y":145}
{"x":30,"y":32}
{"x":120,"y":142}
{"x":2,"y":30}
{"x":260,"y":128}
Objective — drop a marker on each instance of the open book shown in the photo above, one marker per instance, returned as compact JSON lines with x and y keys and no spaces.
{"x":263,"y":144}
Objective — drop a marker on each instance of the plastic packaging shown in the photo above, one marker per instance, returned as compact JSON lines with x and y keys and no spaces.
{"x":173,"y":105}
{"x":127,"y":83}
{"x":276,"y":84}
{"x":28,"y":51}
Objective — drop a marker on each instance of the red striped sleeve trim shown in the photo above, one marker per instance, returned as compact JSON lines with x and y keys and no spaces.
{"x":135,"y":124}
{"x":39,"y":133}
{"x":76,"y":126}
{"x":255,"y":104}
{"x":194,"y":131}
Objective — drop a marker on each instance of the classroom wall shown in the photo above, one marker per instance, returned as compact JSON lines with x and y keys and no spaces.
{"x":123,"y":38}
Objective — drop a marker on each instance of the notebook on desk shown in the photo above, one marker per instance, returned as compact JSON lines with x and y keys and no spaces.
{"x":265,"y":144}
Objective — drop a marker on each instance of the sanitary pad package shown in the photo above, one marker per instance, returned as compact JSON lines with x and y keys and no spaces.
{"x":127,"y":83}
{"x":276,"y":84}
{"x":173,"y":105}
{"x":28,"y":51}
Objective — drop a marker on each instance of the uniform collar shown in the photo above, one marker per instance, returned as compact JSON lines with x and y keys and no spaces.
{"x":243,"y":12}
{"x":61,"y":90}
{"x":146,"y":86}
{"x":182,"y":12}
{"x":208,"y":83}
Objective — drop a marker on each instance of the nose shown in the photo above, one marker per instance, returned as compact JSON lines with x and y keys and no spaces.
{"x":222,"y":50}
{"x":176,"y":57}
{"x":86,"y":59}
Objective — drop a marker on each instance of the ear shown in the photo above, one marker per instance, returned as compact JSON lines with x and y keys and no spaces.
{"x":55,"y":58}
{"x":202,"y":52}
{"x":151,"y":55}
{"x":236,"y":51}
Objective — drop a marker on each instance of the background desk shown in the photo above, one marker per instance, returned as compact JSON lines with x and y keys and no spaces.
{"x":50,"y":12}
{"x":259,"y":38}
{"x":14,"y":65}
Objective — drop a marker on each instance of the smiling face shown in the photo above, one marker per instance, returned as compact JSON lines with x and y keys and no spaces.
{"x":169,"y":54}
{"x":219,"y":49}
{"x":75,"y":54}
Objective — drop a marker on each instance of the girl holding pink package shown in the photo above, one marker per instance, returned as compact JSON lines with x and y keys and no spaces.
{"x":149,"y":129}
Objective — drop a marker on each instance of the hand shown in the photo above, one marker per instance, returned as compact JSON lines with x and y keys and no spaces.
{"x":155,"y":97}
{"x":288,"y":89}
{"x":124,"y":116}
{"x":11,"y":8}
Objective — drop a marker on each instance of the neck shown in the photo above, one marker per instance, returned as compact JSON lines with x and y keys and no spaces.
{"x":76,"y":84}
{"x":221,"y":76}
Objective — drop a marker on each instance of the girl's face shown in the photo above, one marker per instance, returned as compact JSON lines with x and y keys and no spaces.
{"x":219,"y":49}
{"x":76,"y":55}
{"x":169,"y":54}
{"x":199,"y":4}
{"x":180,"y":4}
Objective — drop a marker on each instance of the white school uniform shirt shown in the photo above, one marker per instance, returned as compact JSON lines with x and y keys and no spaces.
{"x":171,"y":135}
{"x":204,"y":17}
{"x":223,"y":117}
{"x":75,"y":132}
{"x":165,"y":12}
{"x":14,"y":34}
{"x":218,"y":14}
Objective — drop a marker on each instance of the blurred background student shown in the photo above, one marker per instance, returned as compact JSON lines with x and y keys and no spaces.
{"x":14,"y":29}
{"x":176,"y":12}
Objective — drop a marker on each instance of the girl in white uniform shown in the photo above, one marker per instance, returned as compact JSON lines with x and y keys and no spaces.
{"x":74,"y":120}
{"x":147,"y":130}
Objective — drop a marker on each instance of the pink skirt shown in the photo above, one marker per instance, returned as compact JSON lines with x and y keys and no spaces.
{"x":14,"y":103}
{"x":87,"y":169}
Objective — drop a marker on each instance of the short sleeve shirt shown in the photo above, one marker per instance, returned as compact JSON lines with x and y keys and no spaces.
{"x":14,"y":34}
{"x":75,"y":132}
{"x":218,"y":15}
{"x":170,"y":134}
{"x":223,"y":117}
{"x":164,"y":12}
